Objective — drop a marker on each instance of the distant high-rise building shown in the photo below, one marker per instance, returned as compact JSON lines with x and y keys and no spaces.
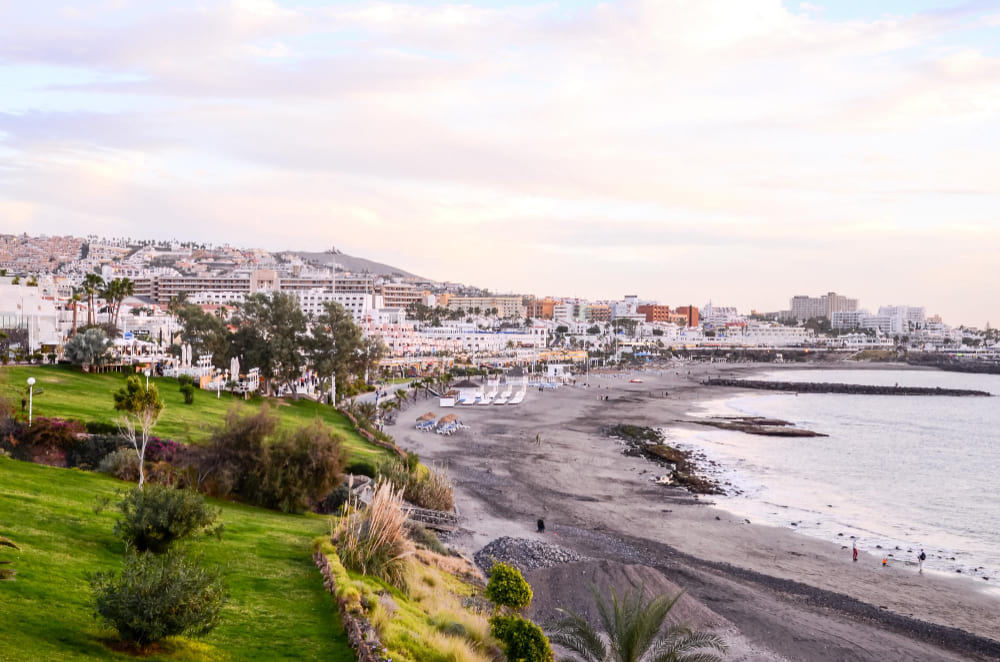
{"x":805,"y":307}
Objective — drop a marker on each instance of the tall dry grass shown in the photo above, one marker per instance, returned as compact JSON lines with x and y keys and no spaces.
{"x":373,"y":541}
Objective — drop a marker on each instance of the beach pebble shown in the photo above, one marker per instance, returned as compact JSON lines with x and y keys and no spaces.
{"x":523,"y":554}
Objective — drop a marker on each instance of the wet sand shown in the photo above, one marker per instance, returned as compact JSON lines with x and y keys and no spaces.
{"x":792,"y":597}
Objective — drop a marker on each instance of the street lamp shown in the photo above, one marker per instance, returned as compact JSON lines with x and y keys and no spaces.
{"x":147,"y":371}
{"x":31,"y":394}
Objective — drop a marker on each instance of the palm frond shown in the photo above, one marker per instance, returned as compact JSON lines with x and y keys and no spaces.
{"x":575,"y":634}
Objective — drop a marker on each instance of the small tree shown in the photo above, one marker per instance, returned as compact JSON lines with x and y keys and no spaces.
{"x":187,"y":388}
{"x":521,"y":639}
{"x":155,"y":517}
{"x":158,"y":596}
{"x":141,"y":408}
{"x":507,"y":588}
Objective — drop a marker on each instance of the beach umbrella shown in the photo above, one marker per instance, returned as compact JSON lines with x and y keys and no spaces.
{"x":234,"y":368}
{"x":448,"y":419}
{"x":429,"y":416}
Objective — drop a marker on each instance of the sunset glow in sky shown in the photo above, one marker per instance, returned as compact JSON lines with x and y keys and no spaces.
{"x":684,"y":150}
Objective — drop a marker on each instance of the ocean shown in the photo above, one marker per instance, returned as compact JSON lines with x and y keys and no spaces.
{"x":902,"y":472}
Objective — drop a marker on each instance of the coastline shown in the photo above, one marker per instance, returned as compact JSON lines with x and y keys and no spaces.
{"x":603,"y":504}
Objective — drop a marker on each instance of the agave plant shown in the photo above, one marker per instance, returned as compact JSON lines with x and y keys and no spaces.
{"x":632,"y":630}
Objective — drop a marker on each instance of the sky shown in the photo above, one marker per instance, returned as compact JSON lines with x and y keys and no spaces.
{"x":738,"y":151}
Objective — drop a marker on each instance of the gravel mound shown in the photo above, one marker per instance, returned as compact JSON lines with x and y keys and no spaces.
{"x":523,"y":554}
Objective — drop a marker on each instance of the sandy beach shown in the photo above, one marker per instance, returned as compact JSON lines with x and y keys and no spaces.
{"x":780,"y":595}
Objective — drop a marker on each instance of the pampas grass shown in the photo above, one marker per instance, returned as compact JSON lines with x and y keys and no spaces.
{"x":373,"y":541}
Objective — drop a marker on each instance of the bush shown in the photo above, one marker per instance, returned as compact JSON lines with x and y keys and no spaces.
{"x":508,"y":588}
{"x":373,"y":541}
{"x":159,"y":596}
{"x":425,"y":487}
{"x":90,"y":451}
{"x":299,"y":470}
{"x":97,"y":427}
{"x":361,"y":469}
{"x":335,"y":500}
{"x":123,"y":464}
{"x":424,"y":537}
{"x":156,"y":516}
{"x":185,"y":380}
{"x":251,"y":459}
{"x":53,"y":433}
{"x":521,"y":639}
{"x":188,"y":391}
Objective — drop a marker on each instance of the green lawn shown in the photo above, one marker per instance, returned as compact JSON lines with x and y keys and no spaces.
{"x":65,"y":392}
{"x":278,"y":609}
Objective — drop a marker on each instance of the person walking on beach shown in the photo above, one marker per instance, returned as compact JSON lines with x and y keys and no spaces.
{"x":538,"y":439}
{"x":855,"y":551}
{"x":921,"y":557}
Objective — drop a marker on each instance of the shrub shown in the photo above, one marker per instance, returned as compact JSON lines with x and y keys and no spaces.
{"x":158,"y":596}
{"x":185,"y":380}
{"x":361,"y":469}
{"x":53,"y":433}
{"x":335,"y":500}
{"x":508,"y":588}
{"x":424,"y":537}
{"x":163,"y":450}
{"x":299,"y":470}
{"x":521,"y":639}
{"x":373,"y":541}
{"x":188,"y":391}
{"x":425,"y":487}
{"x":123,"y":464}
{"x":90,"y":451}
{"x":156,"y":516}
{"x":90,"y":346}
{"x":98,"y":427}
{"x":251,"y":459}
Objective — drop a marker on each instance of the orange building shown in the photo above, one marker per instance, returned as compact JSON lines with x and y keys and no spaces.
{"x":541,"y":308}
{"x":690,"y":315}
{"x":600,"y":312}
{"x":654,"y":312}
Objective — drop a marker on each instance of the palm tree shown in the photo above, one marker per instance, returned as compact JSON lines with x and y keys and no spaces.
{"x":367,"y":411}
{"x":92,"y":284}
{"x":633,"y":631}
{"x":75,"y":297}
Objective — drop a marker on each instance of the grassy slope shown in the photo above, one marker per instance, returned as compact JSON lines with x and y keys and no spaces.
{"x":70,"y":393}
{"x":278,"y":608}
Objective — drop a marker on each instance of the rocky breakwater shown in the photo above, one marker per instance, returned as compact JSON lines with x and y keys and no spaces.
{"x":850,"y":389}
{"x":640,"y":441}
{"x":523,"y":554}
{"x":768,"y":427}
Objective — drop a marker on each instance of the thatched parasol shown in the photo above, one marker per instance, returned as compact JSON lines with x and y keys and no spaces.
{"x":448,"y":419}
{"x":429,"y":416}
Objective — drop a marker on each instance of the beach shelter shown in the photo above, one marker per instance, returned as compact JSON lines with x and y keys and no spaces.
{"x":450,"y":418}
{"x":429,"y":416}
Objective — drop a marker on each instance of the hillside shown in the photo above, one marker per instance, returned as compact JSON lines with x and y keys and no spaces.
{"x":353,"y":264}
{"x":278,"y":608}
{"x":65,"y":392}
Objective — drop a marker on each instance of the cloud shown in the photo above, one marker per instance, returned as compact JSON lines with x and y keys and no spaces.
{"x":703,"y":148}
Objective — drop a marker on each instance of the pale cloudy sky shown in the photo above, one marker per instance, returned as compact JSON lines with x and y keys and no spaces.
{"x":738,"y":150}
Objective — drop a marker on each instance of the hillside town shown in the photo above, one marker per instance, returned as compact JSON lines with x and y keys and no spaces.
{"x":51,"y":287}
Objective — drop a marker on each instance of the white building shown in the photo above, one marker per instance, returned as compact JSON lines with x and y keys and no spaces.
{"x":24,"y":307}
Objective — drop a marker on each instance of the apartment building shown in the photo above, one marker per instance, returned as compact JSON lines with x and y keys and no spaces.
{"x":507,"y":306}
{"x":400,"y":295}
{"x":654,"y":312}
{"x":803,"y":307}
{"x":542,"y":309}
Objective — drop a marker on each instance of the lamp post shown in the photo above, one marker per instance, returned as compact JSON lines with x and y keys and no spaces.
{"x":146,"y":372}
{"x":31,"y":394}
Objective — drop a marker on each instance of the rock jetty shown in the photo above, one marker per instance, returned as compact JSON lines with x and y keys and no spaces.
{"x":851,"y":389}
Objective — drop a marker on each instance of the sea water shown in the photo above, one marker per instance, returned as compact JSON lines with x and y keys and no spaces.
{"x":900,"y":472}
